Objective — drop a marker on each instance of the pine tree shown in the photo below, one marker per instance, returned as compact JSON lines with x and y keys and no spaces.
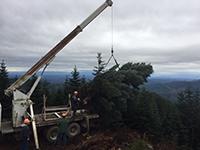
{"x":100,"y":65}
{"x":66,"y":85}
{"x":112,"y":90}
{"x":37,"y":95}
{"x":136,"y":74}
{"x":147,"y":117}
{"x":3,"y":78}
{"x":170,"y":120}
{"x":189,"y":107}
{"x":83,"y":88}
{"x":74,"y":81}
{"x":4,"y":100}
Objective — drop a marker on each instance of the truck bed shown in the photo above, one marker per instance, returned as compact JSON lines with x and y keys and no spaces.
{"x":52,"y":119}
{"x":49,"y":119}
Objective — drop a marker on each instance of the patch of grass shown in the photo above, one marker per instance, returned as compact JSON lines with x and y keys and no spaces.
{"x":139,"y":145}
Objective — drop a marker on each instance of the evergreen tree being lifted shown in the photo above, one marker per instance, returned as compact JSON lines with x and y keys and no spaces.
{"x":112,"y":89}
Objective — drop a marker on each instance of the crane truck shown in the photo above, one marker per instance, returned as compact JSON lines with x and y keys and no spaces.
{"x":23,"y":105}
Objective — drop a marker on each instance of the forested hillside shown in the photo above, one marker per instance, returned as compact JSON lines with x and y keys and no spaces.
{"x":169,"y":88}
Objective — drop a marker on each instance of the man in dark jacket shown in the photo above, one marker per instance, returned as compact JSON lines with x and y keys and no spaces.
{"x":25,"y":133}
{"x":75,"y":102}
{"x":62,"y":137}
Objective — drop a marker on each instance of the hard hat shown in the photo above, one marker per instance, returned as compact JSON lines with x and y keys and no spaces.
{"x":64,"y":114}
{"x":26,"y":121}
{"x":75,"y":92}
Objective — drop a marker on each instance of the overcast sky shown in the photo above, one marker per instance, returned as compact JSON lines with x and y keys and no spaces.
{"x":165,"y":33}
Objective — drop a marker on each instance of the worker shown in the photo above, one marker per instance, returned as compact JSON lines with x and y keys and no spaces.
{"x":62,"y":137}
{"x":75,"y":102}
{"x":25,"y":134}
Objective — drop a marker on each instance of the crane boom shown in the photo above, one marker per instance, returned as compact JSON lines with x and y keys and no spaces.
{"x":52,"y":53}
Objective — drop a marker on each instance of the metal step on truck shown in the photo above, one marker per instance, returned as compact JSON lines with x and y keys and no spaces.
{"x":22,"y":105}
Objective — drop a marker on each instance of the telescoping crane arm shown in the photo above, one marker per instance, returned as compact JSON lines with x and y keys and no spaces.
{"x":52,"y":53}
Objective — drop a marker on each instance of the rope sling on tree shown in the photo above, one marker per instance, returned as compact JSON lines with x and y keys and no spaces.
{"x":112,"y":43}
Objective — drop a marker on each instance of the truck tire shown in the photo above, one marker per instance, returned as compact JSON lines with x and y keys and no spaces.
{"x":73,"y":129}
{"x":51,"y":134}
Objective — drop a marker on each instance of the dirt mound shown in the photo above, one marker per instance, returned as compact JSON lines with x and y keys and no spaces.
{"x":109,"y":140}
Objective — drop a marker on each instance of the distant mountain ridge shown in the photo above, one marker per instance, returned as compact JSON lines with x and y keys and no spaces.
{"x":55,"y":77}
{"x":166,"y":86}
{"x":170,"y":89}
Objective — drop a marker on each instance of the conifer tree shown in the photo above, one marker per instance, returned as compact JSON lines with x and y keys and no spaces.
{"x":4,"y":100}
{"x":189,"y":107}
{"x":112,"y":90}
{"x":37,"y":95}
{"x":100,"y":65}
{"x":3,"y":78}
{"x":74,"y":81}
{"x":66,"y":85}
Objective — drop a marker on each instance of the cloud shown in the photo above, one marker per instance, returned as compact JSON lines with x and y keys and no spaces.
{"x":164,"y":33}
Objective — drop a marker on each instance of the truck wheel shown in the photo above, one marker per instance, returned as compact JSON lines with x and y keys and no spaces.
{"x":51,"y":134}
{"x":73,"y":129}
